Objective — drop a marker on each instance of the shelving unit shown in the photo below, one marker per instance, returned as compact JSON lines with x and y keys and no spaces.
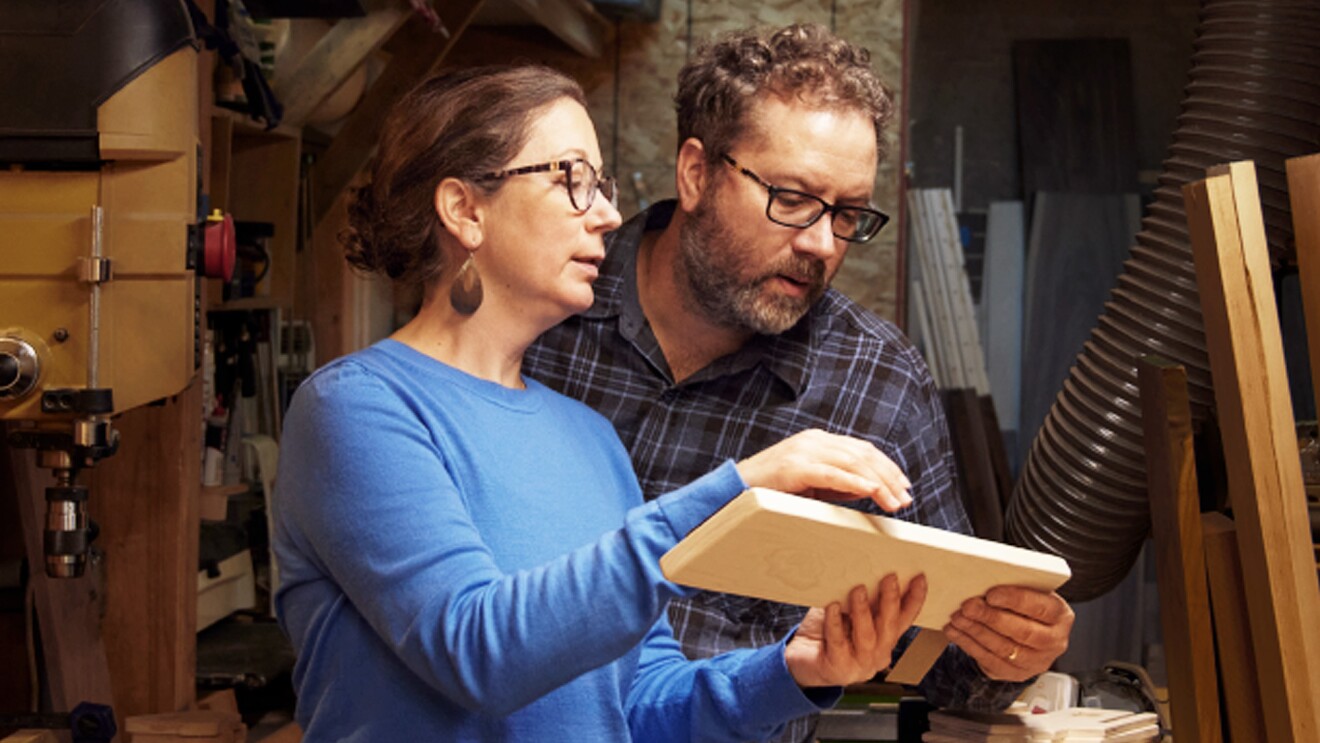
{"x":254,"y":177}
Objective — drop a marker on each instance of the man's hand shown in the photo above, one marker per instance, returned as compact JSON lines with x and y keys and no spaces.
{"x":1013,"y":633}
{"x":834,"y":648}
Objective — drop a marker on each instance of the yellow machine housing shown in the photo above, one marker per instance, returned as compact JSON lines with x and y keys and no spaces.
{"x":146,"y":189}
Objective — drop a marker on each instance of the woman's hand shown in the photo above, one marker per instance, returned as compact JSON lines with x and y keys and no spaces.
{"x":833,"y":648}
{"x":828,"y":466}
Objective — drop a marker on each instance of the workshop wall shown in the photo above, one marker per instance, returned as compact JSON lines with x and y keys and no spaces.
{"x":969,"y":42}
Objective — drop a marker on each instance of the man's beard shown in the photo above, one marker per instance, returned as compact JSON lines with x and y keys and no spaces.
{"x":714,"y":269}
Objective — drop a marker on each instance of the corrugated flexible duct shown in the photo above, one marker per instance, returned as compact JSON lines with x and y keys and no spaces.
{"x":1253,"y":94}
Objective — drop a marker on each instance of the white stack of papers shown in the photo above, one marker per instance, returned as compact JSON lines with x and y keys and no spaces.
{"x":1013,"y":725}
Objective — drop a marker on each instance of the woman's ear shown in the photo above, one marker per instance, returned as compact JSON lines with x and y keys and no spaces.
{"x":458,"y":207}
{"x":692,"y":175}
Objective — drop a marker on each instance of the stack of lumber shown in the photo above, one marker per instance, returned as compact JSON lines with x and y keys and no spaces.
{"x":945,"y":319}
{"x":1020,"y":724}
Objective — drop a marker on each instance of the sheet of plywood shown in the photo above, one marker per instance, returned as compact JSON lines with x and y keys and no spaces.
{"x":1264,"y":471}
{"x":780,"y":547}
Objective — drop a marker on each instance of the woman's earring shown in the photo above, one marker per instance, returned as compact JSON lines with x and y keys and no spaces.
{"x":465,"y":293}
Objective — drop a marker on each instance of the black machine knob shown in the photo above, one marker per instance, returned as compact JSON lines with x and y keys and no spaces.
{"x":9,"y":371}
{"x":19,"y":368}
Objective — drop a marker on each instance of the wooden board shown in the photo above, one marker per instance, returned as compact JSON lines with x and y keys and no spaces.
{"x":780,"y":547}
{"x":920,"y":655}
{"x":977,"y":477}
{"x":1304,"y":192}
{"x":1264,"y":471}
{"x":1179,"y":552}
{"x":1237,"y":661}
{"x":1002,"y":297}
{"x":145,"y":498}
{"x":1075,"y":254}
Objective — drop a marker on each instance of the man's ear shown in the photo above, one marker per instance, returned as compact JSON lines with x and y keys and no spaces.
{"x":692,"y":174}
{"x":460,"y":211}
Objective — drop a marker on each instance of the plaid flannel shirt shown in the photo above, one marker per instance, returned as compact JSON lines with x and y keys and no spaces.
{"x":841,"y":369}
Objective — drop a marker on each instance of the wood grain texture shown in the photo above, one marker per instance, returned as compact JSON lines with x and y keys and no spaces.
{"x":780,"y":547}
{"x":1179,"y":550}
{"x":917,"y":659}
{"x":337,"y":56}
{"x":146,"y":500}
{"x":1237,"y":659}
{"x":1304,"y":194}
{"x":1264,"y":472}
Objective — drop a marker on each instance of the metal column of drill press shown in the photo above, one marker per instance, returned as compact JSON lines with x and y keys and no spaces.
{"x":99,"y":203}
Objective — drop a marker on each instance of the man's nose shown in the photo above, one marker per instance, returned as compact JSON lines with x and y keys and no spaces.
{"x":818,"y":240}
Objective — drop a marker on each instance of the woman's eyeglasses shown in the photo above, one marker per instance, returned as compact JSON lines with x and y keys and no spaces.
{"x":580,"y":178}
{"x":801,"y":210}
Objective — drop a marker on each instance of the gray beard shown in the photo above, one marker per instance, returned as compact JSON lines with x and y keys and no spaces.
{"x":713,"y":270}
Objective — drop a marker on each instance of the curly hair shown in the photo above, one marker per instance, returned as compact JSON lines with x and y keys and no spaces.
{"x":462,"y":124}
{"x":805,"y":61}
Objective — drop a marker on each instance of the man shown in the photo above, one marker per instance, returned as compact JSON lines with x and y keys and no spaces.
{"x":714,"y":332}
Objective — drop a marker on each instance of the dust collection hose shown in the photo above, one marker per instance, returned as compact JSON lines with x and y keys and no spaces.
{"x":1253,"y":93}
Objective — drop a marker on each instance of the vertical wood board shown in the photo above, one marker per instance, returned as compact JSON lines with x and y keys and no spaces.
{"x":1179,"y":550}
{"x":1264,"y":471}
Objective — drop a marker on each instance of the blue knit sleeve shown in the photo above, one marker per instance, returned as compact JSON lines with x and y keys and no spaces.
{"x":745,"y":694}
{"x":363,"y":500}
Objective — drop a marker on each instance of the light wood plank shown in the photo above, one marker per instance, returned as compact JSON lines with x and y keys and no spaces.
{"x":1264,"y":471}
{"x":917,"y":659}
{"x":337,"y":56}
{"x":771,"y":545}
{"x":1237,"y":659}
{"x":1179,"y":551}
{"x":955,"y":269}
{"x":1304,"y":193}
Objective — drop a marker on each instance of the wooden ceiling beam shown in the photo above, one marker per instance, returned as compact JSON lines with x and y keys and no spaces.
{"x":418,"y":50}
{"x":337,"y":56}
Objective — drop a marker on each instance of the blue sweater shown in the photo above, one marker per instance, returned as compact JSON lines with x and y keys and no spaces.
{"x":463,"y":561}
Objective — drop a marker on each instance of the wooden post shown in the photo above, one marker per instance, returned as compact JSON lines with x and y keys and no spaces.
{"x":1264,"y":469}
{"x":145,"y":498}
{"x":1180,"y":556}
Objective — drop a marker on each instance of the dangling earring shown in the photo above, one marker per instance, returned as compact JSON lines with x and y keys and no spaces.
{"x":465,"y":293}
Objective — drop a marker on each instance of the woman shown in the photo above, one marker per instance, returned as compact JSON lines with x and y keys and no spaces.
{"x":465,"y":555}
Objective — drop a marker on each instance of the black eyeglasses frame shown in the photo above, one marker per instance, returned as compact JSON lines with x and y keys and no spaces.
{"x":825,"y":206}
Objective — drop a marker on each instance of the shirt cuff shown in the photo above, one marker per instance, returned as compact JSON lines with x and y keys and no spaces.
{"x":697,"y":501}
{"x":767,"y":678}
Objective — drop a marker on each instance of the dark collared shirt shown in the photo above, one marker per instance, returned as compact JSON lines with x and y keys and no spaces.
{"x":841,"y":368}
